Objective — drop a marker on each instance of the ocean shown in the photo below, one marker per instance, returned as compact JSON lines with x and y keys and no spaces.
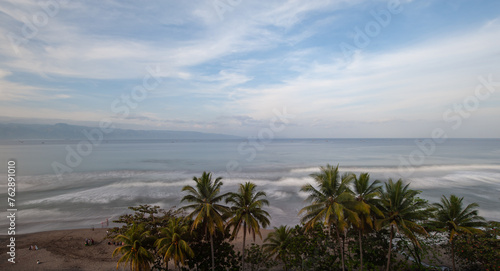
{"x":66,"y":184}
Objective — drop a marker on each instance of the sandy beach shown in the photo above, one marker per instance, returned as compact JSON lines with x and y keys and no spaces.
{"x":65,"y":250}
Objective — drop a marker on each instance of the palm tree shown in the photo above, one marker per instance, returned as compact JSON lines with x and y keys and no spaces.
{"x":133,"y":249}
{"x":205,"y":196}
{"x":366,"y":196}
{"x":247,"y":211}
{"x":276,"y":243}
{"x":402,"y":209}
{"x":452,"y":217}
{"x":331,"y":202}
{"x":173,"y":244}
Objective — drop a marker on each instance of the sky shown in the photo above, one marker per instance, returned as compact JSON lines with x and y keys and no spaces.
{"x":288,"y":68}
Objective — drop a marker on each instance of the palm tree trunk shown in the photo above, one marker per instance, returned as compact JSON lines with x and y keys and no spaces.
{"x":212,"y":249}
{"x":390,"y":249}
{"x":243,"y":251}
{"x":345,"y":244}
{"x":360,"y":249}
{"x":453,"y":253}
{"x":341,"y":248}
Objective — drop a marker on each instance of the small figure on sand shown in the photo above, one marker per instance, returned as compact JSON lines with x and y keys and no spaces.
{"x":37,"y":261}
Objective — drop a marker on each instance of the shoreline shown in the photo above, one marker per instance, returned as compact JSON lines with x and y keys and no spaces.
{"x":65,"y":250}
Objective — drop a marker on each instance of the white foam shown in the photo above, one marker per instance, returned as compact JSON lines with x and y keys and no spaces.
{"x":276,"y":211}
{"x":297,"y":182}
{"x":107,"y":194}
{"x":426,"y":168}
{"x":278,"y":195}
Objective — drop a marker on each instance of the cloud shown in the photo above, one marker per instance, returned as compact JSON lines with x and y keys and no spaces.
{"x":416,"y":82}
{"x":233,"y":73}
{"x":16,"y":91}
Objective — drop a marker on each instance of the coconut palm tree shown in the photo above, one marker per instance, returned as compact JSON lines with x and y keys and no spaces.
{"x":206,"y":210}
{"x":173,"y":244}
{"x":331,"y":202}
{"x":133,"y":249}
{"x":451,"y":216}
{"x":247,"y":212}
{"x":366,"y":194}
{"x":276,"y":243}
{"x":402,"y":210}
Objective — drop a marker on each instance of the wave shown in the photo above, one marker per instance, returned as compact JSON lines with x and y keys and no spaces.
{"x":425,"y":168}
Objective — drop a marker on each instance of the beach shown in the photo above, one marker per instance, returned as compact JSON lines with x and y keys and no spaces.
{"x":61,"y":250}
{"x":65,"y":250}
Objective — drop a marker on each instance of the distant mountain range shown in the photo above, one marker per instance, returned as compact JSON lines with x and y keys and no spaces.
{"x":70,"y":132}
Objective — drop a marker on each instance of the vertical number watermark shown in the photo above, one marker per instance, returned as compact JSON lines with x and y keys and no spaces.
{"x":11,"y":209}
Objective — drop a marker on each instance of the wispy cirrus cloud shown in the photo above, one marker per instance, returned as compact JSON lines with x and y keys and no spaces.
{"x":230,"y":74}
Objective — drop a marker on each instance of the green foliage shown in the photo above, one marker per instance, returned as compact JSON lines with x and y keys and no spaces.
{"x":300,"y":249}
{"x":402,"y":211}
{"x":204,"y":197}
{"x":480,"y":251}
{"x":173,"y":244}
{"x":276,"y":243}
{"x":332,"y":202}
{"x":258,"y":260}
{"x":313,"y":249}
{"x":328,"y":201}
{"x":415,"y":255}
{"x":375,"y":246}
{"x":247,"y":209}
{"x":205,"y":208}
{"x":247,"y":212}
{"x":133,"y":250}
{"x":367,"y":200}
{"x":451,"y":216}
{"x":152,"y":217}
{"x":227,"y":258}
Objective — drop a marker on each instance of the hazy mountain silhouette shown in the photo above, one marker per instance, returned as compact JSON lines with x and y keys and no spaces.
{"x":67,"y":131}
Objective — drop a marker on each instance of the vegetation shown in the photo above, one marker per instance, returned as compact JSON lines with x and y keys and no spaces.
{"x":330,"y":203}
{"x":247,"y":211}
{"x":133,"y":251}
{"x":276,"y":243}
{"x":174,"y":245}
{"x":366,"y":195}
{"x":453,"y":218}
{"x":402,"y":211}
{"x":206,"y":208}
{"x":350,"y":223}
{"x":480,"y":251}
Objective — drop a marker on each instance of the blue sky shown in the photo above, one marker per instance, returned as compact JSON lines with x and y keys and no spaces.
{"x":341,"y":68}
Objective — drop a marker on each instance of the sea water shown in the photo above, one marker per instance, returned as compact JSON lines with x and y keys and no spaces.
{"x":113,"y":175}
